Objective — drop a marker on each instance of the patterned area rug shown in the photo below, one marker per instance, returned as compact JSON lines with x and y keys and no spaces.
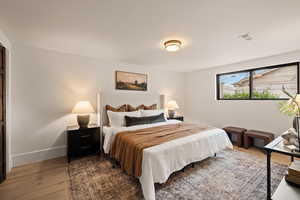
{"x":232,"y":175}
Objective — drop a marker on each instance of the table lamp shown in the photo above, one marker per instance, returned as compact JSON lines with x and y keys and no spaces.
{"x":172,"y":106}
{"x":83,"y":110}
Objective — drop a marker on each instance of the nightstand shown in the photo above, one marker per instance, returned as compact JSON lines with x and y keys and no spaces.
{"x":82,"y":142}
{"x":180,"y":118}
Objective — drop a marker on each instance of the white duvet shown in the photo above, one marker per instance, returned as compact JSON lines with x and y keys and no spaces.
{"x":160,"y":161}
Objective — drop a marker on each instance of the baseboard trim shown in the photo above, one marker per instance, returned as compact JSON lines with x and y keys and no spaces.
{"x":39,"y":155}
{"x":9,"y":167}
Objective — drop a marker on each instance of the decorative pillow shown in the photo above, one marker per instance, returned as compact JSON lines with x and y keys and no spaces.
{"x":130,"y":108}
{"x":119,"y":109}
{"x":152,"y":107}
{"x":147,"y":113}
{"x":132,"y":121}
{"x":117,"y":119}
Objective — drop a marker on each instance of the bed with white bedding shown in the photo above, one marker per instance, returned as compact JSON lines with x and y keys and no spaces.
{"x":160,"y":161}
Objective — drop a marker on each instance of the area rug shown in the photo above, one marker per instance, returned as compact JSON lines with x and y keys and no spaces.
{"x":232,"y":175}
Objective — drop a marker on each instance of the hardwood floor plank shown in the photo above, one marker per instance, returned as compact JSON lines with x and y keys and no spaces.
{"x":38,"y":167}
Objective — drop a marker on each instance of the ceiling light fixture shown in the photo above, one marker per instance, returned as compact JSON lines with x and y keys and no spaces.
{"x":172,"y":45}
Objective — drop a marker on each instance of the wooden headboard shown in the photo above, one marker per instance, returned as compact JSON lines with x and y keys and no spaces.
{"x":134,"y":99}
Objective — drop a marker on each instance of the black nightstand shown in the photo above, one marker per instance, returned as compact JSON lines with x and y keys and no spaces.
{"x":82,"y":142}
{"x":180,"y":118}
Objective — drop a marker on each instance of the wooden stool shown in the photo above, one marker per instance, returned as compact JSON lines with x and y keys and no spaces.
{"x":251,"y":134}
{"x":238,"y":132}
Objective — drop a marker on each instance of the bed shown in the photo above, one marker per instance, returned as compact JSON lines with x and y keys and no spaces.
{"x":160,"y":161}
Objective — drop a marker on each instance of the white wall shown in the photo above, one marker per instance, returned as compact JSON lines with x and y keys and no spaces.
{"x":47,"y":84}
{"x":201,"y":104}
{"x":6,"y":43}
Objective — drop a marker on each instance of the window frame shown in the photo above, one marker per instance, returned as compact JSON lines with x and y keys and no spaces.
{"x":250,"y":71}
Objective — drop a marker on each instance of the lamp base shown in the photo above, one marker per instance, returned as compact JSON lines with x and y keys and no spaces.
{"x":171,"y":113}
{"x":83,"y":121}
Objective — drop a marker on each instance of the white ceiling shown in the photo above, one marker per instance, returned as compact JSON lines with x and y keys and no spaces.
{"x":132,"y":31}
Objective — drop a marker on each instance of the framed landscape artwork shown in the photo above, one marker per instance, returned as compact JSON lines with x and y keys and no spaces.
{"x":131,"y":81}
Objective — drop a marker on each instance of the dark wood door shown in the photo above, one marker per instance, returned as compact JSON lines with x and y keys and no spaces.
{"x":2,"y":115}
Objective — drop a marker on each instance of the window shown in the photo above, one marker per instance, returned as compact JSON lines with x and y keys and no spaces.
{"x":259,"y":84}
{"x":232,"y":85}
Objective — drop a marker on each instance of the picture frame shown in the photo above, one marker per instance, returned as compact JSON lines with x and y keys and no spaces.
{"x":131,"y":81}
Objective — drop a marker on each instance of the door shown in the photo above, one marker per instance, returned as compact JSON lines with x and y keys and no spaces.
{"x":2,"y":115}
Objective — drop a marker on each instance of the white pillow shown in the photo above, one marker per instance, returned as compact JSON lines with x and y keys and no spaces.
{"x":147,"y":113}
{"x":117,"y":119}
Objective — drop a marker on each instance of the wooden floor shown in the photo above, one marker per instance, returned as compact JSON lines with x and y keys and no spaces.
{"x":49,"y":180}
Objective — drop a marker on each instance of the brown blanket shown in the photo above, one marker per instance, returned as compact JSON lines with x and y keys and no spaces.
{"x":128,"y":146}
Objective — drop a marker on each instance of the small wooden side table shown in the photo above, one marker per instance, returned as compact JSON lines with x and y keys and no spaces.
{"x":82,"y":142}
{"x":237,"y":132}
{"x":278,"y":147}
{"x":180,"y":118}
{"x":250,"y":135}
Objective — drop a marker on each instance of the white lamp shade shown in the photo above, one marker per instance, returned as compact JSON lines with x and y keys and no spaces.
{"x":172,"y":105}
{"x":83,"y":107}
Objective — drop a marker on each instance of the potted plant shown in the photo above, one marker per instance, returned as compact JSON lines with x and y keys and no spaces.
{"x":292,"y":108}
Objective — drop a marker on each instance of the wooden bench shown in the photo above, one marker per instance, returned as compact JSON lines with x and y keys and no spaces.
{"x":251,"y":134}
{"x":238,"y":132}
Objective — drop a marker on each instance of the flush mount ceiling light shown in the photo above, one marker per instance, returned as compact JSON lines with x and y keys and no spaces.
{"x":172,"y":45}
